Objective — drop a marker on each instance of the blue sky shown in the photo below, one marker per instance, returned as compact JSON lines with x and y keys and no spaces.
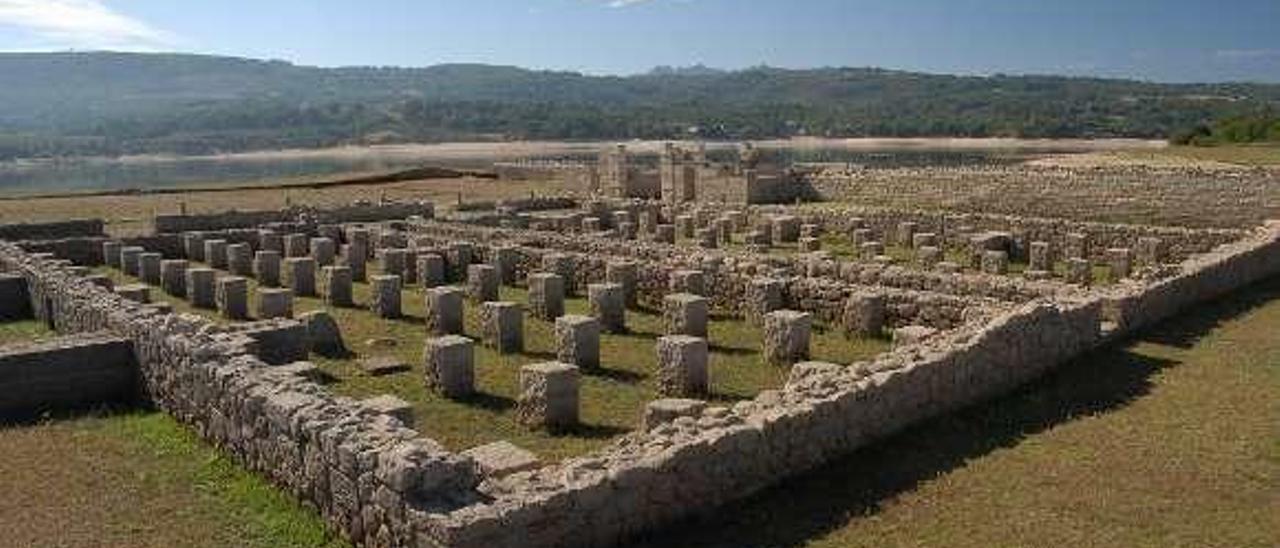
{"x":1170,"y":40}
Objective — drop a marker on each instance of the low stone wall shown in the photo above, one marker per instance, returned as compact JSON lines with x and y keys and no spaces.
{"x":67,"y":373}
{"x":1229,"y":267}
{"x":370,"y":477}
{"x":694,"y":465}
{"x":1178,"y":243}
{"x":369,"y":213}
{"x":52,"y":230}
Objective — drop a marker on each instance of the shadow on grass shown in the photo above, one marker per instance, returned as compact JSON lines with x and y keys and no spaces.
{"x":616,"y":375}
{"x":824,"y":499}
{"x":17,"y":419}
{"x":732,"y":350}
{"x":490,"y":402}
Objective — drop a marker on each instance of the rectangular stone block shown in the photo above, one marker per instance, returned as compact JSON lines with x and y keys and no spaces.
{"x":443,"y":310}
{"x":431,"y":269}
{"x":129,"y":260}
{"x":864,"y":315}
{"x":138,"y":293}
{"x":503,"y":324}
{"x":111,"y":253}
{"x":193,"y":246}
{"x":685,"y":314}
{"x":240,"y":259}
{"x":786,"y":337}
{"x":200,"y":285}
{"x":149,"y":267}
{"x":297,"y":245}
{"x":233,"y":297}
{"x":1120,"y":260}
{"x":274,"y":303}
{"x":505,"y":260}
{"x":482,"y":283}
{"x":337,"y":286}
{"x":215,"y":253}
{"x":563,"y":265}
{"x":682,"y":366}
{"x":764,"y":295}
{"x":578,"y":341}
{"x":546,"y":296}
{"x":266,"y":268}
{"x":385,"y":296}
{"x":549,"y":396}
{"x":459,"y":256}
{"x":625,"y":274}
{"x":392,"y":261}
{"x":324,"y":251}
{"x":300,"y":276}
{"x":450,"y":366}
{"x":608,"y":305}
{"x":173,"y":277}
{"x":688,"y":281}
{"x":1039,"y":258}
{"x":270,"y":240}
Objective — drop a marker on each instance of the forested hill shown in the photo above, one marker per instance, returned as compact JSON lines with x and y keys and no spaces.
{"x":117,"y":103}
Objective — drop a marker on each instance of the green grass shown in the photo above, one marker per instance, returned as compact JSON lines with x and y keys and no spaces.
{"x":1168,"y":440}
{"x":139,"y":479}
{"x":1263,"y":154}
{"x":24,"y":331}
{"x":613,"y":399}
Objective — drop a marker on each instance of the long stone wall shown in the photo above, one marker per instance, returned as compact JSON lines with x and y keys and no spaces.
{"x":370,"y":213}
{"x":52,"y":230}
{"x":371,"y":477}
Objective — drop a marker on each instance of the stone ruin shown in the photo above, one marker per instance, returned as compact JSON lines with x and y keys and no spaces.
{"x":1015,"y":297}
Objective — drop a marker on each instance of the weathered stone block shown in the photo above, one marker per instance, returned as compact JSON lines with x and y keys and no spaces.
{"x":1077,"y":246}
{"x":215,"y":253}
{"x":270,"y":240}
{"x":297,"y":245}
{"x":924,"y":239}
{"x":764,"y":295}
{"x":240,"y":259}
{"x":549,"y":396}
{"x":300,"y":276}
{"x":502,"y":458}
{"x":431,"y":270}
{"x":138,"y":293}
{"x":443,"y":310}
{"x":391,"y":406}
{"x":912,"y":334}
{"x":266,"y":267}
{"x":129,"y":260}
{"x":233,"y":297}
{"x":1150,"y":251}
{"x":385,"y":296}
{"x":608,"y":304}
{"x":450,"y":366}
{"x":665,"y":410}
{"x":665,"y":234}
{"x":809,"y":245}
{"x":546,"y":295}
{"x":871,"y":250}
{"x":929,"y":257}
{"x":173,"y":277}
{"x":682,"y":366}
{"x":578,"y":341}
{"x":200,"y":286}
{"x":149,"y":267}
{"x":111,"y":253}
{"x":323,"y":335}
{"x":324,"y":251}
{"x":505,"y":260}
{"x":1079,"y":271}
{"x":355,"y":257}
{"x":786,"y":337}
{"x":459,"y":256}
{"x":706,"y":238}
{"x":686,"y":314}
{"x":564,"y":266}
{"x":786,"y":228}
{"x":625,"y":274}
{"x":995,"y":262}
{"x":274,"y":303}
{"x":1039,"y":257}
{"x":337,"y":286}
{"x":482,"y":283}
{"x":864,"y":315}
{"x":503,"y":324}
{"x":688,"y":281}
{"x":193,"y":246}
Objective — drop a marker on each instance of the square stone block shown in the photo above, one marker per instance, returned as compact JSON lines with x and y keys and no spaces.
{"x":549,"y":396}
{"x":450,"y":366}
{"x":578,"y":341}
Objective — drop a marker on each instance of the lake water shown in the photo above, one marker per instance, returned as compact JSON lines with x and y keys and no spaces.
{"x":103,"y":174}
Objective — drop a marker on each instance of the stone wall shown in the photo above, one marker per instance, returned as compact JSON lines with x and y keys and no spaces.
{"x":371,"y":477}
{"x":67,"y":373}
{"x":15,"y":300}
{"x":52,"y":230}
{"x":369,"y":213}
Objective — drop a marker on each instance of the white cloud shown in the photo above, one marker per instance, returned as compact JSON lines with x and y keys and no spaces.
{"x":1247,"y":54}
{"x":80,"y":24}
{"x":626,"y":3}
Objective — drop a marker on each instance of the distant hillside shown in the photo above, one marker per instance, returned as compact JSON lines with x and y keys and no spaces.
{"x":116,"y":103}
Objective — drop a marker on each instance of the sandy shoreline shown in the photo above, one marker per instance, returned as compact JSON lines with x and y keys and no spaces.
{"x":489,"y":151}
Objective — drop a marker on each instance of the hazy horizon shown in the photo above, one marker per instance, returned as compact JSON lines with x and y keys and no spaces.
{"x":1172,"y":41}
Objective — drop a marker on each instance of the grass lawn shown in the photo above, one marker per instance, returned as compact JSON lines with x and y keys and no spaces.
{"x":24,"y":331}
{"x":1169,"y":440}
{"x":612,"y":399}
{"x":138,"y":480}
{"x":1263,"y":154}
